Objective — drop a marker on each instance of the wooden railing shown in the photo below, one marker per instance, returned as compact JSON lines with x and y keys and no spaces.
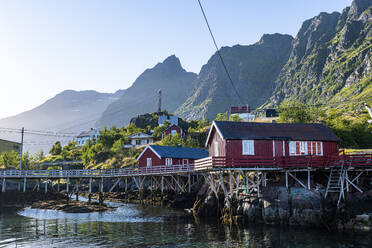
{"x":284,"y":162}
{"x":142,"y":171}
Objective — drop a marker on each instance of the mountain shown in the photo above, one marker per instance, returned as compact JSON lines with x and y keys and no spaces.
{"x":141,"y":97}
{"x":330,"y":57}
{"x":69,"y":111}
{"x":253,"y":69}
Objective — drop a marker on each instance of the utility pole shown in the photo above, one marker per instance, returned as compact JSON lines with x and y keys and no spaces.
{"x":21,"y":149}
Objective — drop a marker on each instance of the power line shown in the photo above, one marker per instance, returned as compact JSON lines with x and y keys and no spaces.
{"x":219,"y":54}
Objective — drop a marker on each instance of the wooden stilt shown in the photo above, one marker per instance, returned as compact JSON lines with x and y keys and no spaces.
{"x":189,"y":181}
{"x":24,"y":184}
{"x":67,"y":184}
{"x":286,"y":179}
{"x":46,"y":186}
{"x":3,"y":186}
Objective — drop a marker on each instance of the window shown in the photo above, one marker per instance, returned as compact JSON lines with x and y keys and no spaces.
{"x":149,"y":162}
{"x":138,"y":142}
{"x":168,"y":161}
{"x":215,"y":148}
{"x":305,"y":148}
{"x":248,"y":147}
{"x":185,"y":161}
{"x":173,"y":132}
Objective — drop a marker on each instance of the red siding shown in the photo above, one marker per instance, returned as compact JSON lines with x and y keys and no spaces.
{"x":156,"y":161}
{"x":262,"y":148}
{"x":330,"y":148}
{"x":174,"y":127}
{"x":215,"y":137}
{"x":150,"y":154}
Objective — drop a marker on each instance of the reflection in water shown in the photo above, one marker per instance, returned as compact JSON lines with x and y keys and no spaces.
{"x":135,"y":226}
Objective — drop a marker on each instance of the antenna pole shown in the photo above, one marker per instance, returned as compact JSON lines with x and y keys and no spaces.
{"x":159,"y":100}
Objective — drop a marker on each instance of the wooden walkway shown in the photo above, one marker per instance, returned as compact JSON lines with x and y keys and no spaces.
{"x":112,"y":173}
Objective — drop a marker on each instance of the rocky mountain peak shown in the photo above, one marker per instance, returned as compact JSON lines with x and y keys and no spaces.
{"x":358,"y":6}
{"x":171,"y":64}
{"x":273,"y":39}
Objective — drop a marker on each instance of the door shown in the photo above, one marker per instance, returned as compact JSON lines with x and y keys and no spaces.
{"x":279,"y":148}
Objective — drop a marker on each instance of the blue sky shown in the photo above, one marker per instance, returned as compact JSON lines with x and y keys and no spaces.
{"x":47,"y":46}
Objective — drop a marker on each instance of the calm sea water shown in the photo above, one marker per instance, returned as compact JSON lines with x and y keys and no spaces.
{"x":137,"y":226}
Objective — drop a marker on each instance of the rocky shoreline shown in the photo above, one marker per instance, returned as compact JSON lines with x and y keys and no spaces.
{"x":50,"y":200}
{"x":276,"y":205}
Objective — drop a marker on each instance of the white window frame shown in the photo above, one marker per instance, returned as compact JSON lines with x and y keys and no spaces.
{"x":248,"y":147}
{"x":149,"y":162}
{"x":304,"y":148}
{"x":185,"y":161}
{"x":215,"y":148}
{"x":168,"y":161}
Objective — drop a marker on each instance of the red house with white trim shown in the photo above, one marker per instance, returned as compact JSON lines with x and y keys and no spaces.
{"x":244,"y":140}
{"x":155,"y":155}
{"x":173,"y":130}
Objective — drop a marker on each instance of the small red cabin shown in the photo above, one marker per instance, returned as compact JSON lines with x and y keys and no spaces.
{"x":244,"y":140}
{"x":172,"y":130}
{"x":154,"y":155}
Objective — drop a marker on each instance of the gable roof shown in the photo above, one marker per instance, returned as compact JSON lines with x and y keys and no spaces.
{"x":262,"y":131}
{"x":177,"y":152}
{"x":87,"y":133}
{"x":139,"y":136}
{"x":173,"y":120}
{"x":174,"y":125}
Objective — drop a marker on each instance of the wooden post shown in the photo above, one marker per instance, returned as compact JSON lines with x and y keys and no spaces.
{"x":3,"y":187}
{"x":258,"y":184}
{"x":24,"y":184}
{"x":286,"y":179}
{"x":101,"y":185}
{"x":308,"y":179}
{"x":162,"y":184}
{"x":189,"y":181}
{"x":46,"y":186}
{"x":38,"y":185}
{"x":77,"y":190}
{"x":90,"y":185}
{"x":126,"y":184}
{"x":231,"y":185}
{"x":67,"y":184}
{"x":58,"y":181}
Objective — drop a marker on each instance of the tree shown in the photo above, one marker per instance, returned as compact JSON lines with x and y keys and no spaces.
{"x":39,"y":156}
{"x":56,"y":149}
{"x":71,"y":152}
{"x":172,"y":140}
{"x":9,"y":159}
{"x":298,"y":112}
{"x":221,"y":117}
{"x":235,"y":118}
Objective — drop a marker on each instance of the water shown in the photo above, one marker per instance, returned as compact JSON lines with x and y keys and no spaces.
{"x":138,"y":226}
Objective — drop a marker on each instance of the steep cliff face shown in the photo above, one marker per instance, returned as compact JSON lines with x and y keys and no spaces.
{"x":331,"y":56}
{"x":253,"y":69}
{"x":141,"y":97}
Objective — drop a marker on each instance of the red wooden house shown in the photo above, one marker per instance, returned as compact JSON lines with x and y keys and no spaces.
{"x":155,"y":155}
{"x":244,"y":140}
{"x":172,"y":130}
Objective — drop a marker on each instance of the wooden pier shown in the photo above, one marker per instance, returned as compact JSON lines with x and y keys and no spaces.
{"x":233,"y":176}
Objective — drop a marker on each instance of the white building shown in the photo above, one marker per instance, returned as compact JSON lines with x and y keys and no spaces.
{"x":139,"y":139}
{"x":84,"y":136}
